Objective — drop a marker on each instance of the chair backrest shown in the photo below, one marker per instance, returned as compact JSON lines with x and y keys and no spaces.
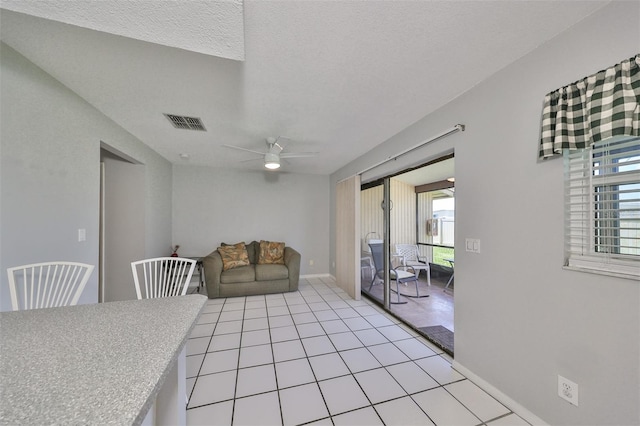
{"x":408,"y":251}
{"x":162,"y":276}
{"x":47,"y":284}
{"x":377,"y":253}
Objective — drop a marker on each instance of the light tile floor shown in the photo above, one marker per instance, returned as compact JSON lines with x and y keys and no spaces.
{"x":316,"y":356}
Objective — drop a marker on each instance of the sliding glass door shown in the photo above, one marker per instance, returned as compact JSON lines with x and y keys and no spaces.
{"x":388,"y":220}
{"x":373,"y":247}
{"x":408,"y":219}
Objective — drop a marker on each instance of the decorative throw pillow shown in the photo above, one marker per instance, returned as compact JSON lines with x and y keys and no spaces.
{"x":238,"y":245}
{"x":233,"y":256}
{"x":271,"y":253}
{"x":252,"y":249}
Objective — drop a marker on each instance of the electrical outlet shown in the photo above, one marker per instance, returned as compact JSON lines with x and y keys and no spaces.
{"x":568,"y":390}
{"x":311,"y":262}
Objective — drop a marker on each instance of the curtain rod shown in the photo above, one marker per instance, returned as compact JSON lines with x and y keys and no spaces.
{"x":454,"y":129}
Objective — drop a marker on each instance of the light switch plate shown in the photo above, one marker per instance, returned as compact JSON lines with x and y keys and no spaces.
{"x":472,"y":245}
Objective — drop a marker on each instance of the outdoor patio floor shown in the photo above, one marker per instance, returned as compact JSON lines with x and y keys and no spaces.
{"x":437,"y":309}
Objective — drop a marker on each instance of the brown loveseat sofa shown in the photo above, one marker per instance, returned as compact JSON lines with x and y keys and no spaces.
{"x":251,"y":279}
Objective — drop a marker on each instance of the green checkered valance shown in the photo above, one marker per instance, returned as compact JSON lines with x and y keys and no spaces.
{"x":598,"y":107}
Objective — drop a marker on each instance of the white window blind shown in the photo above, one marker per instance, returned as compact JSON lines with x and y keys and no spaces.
{"x":602,"y":207}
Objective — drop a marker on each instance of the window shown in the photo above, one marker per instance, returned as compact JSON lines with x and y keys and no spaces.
{"x":602,"y":208}
{"x":436,"y":224}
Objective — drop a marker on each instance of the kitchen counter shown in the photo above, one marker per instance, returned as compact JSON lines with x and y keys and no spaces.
{"x":92,"y":364}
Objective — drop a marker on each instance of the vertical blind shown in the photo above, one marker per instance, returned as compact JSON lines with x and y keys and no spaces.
{"x":602,"y":206}
{"x":347,"y":244}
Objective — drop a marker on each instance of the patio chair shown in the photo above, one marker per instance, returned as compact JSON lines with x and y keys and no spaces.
{"x":395,"y":274}
{"x":47,"y":284}
{"x":162,"y":276}
{"x":410,"y":257}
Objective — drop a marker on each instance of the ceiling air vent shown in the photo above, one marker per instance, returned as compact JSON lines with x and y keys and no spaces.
{"x":187,"y":123}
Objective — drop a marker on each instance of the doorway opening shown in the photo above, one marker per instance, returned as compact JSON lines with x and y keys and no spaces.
{"x":414,"y":226}
{"x":122,"y":223}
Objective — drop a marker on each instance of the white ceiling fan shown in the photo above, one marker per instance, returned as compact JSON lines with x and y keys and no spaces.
{"x":274,"y":152}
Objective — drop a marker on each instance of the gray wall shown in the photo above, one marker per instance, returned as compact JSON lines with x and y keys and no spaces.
{"x":520,"y":318}
{"x":212,"y":205}
{"x":49,"y":175}
{"x":124,"y":225}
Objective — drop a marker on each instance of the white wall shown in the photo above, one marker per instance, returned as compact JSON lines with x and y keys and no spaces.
{"x":50,"y":163}
{"x":520,"y":318}
{"x":124,"y":225}
{"x":212,"y":205}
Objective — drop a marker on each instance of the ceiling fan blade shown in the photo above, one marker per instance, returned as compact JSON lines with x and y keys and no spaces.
{"x":275,"y":148}
{"x":282,"y":142}
{"x":298,"y":154}
{"x":252,"y":159}
{"x":243,"y":149}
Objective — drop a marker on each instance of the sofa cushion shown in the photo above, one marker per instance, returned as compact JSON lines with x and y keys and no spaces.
{"x":233,"y":256}
{"x":241,"y":274}
{"x":271,"y":253}
{"x":252,"y":249}
{"x":271,"y":272}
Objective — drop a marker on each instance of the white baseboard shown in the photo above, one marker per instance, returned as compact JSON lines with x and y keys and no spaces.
{"x":316,"y":276}
{"x":500,"y":396}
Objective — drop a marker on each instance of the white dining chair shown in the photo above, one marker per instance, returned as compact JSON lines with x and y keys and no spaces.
{"x":47,"y":284}
{"x":410,"y":257}
{"x":162,"y":276}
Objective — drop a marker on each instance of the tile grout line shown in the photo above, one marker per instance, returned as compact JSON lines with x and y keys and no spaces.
{"x":327,"y":334}
{"x":348,"y":369}
{"x":235,"y":390}
{"x":204,"y":357}
{"x":273,"y":355}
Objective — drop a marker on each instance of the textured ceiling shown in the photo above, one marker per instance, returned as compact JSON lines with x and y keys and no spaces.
{"x":209,"y":27}
{"x":337,"y":77}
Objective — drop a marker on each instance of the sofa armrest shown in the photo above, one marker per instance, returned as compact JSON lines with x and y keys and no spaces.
{"x":212,"y":265}
{"x":292,"y":261}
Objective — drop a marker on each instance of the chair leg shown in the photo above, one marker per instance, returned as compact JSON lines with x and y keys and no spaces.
{"x":428,"y":276}
{"x":373,"y":280}
{"x":448,"y":283}
{"x":416,"y":282}
{"x":400,"y":301}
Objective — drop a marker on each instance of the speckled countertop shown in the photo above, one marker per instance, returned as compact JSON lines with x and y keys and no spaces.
{"x":90,"y":364}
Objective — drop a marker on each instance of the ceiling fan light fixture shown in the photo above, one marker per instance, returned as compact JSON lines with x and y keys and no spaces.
{"x":271,"y":161}
{"x":273,"y":154}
